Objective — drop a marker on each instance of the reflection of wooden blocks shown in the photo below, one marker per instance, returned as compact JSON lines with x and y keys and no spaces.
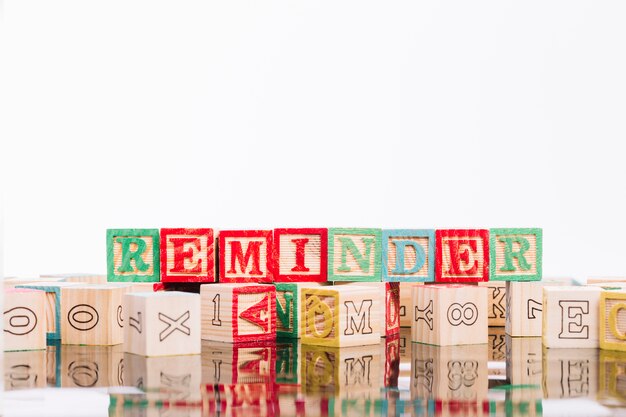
{"x":83,"y":278}
{"x":133,"y":255}
{"x":246,"y":256}
{"x":496,"y":313}
{"x":449,"y":314}
{"x":570,"y":373}
{"x":301,"y":255}
{"x":611,"y":377}
{"x":339,"y":316}
{"x":613,"y":320}
{"x":238,"y":312}
{"x":515,"y":254}
{"x":288,"y":358}
{"x":524,"y":366}
{"x":24,"y":370}
{"x":288,"y":308}
{"x":524,"y":308}
{"x":391,"y":357}
{"x":406,"y":303}
{"x":162,"y":323}
{"x":24,"y":319}
{"x":570,"y":317}
{"x":92,"y":314}
{"x":239,"y":400}
{"x":187,"y":255}
{"x":497,"y":345}
{"x":92,"y":366}
{"x":408,"y":255}
{"x":241,"y":363}
{"x":462,"y":255}
{"x":450,"y":372}
{"x":354,"y":254}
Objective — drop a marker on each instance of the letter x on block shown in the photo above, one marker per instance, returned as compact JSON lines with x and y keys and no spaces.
{"x":246,"y":256}
{"x":462,"y":256}
{"x":187,"y":255}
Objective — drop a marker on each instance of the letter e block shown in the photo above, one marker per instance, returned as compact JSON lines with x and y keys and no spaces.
{"x":515,"y":254}
{"x":354,"y":254}
{"x":24,"y":319}
{"x":133,"y":255}
{"x":301,"y":255}
{"x":408,"y":255}
{"x":462,"y":256}
{"x":187,"y":255}
{"x":246,"y":256}
{"x":613,"y":320}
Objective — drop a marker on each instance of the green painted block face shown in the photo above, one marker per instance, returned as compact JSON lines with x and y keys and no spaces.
{"x":515,"y":254}
{"x":354,"y":254}
{"x":133,"y":255}
{"x":287,"y":310}
{"x":287,"y":362}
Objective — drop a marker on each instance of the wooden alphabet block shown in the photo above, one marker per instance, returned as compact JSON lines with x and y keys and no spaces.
{"x":187,"y":255}
{"x":496,"y":307}
{"x":524,"y":361}
{"x":162,"y":323}
{"x":339,"y":316}
{"x":24,"y":370}
{"x":19,"y":281}
{"x":133,"y":255}
{"x":497,"y":346}
{"x":449,"y":314}
{"x":570,"y":373}
{"x":24,"y":319}
{"x":516,"y":254}
{"x":613,"y":320}
{"x":83,"y":278}
{"x":288,"y":308}
{"x":92,"y":366}
{"x":462,"y":256}
{"x":524,"y":308}
{"x":607,"y":280}
{"x":571,"y":316}
{"x":246,"y":256}
{"x":408,"y":255}
{"x":301,"y":255}
{"x":354,"y":254}
{"x":406,"y":303}
{"x":238,"y":312}
{"x":240,"y":363}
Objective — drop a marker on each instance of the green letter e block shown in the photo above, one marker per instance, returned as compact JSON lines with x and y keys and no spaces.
{"x":133,"y":255}
{"x":515,"y":254}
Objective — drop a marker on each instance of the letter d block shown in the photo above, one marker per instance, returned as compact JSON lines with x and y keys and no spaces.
{"x":613,"y":320}
{"x":515,"y":254}
{"x":301,"y":255}
{"x":354,"y":254}
{"x":408,"y":255}
{"x":238,"y":312}
{"x":446,"y":315}
{"x":133,"y":255}
{"x":341,"y":316}
{"x":462,"y":256}
{"x":246,"y":256}
{"x":187,"y":255}
{"x":571,"y":316}
{"x":24,"y":319}
{"x":162,"y":323}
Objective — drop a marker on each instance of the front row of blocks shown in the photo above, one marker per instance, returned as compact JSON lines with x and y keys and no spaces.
{"x":24,"y":319}
{"x":450,"y":314}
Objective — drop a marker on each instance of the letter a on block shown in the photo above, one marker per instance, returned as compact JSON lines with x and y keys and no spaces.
{"x":246,"y":256}
{"x":354,"y":254}
{"x":462,"y":256}
{"x":255,"y":309}
{"x":187,"y":255}
{"x":515,"y":254}
{"x":133,"y":255}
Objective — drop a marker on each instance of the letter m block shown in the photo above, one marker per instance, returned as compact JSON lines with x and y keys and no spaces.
{"x":187,"y":255}
{"x":515,"y":254}
{"x":246,"y":256}
{"x":354,"y":254}
{"x":133,"y":255}
{"x":462,"y":256}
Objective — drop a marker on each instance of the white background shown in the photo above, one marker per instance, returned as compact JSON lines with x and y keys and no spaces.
{"x":262,"y":114}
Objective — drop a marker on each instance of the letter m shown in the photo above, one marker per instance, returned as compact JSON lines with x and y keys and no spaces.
{"x":252,"y":251}
{"x":358,"y":320}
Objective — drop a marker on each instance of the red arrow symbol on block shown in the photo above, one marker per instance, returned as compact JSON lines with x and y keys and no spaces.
{"x":258,"y":313}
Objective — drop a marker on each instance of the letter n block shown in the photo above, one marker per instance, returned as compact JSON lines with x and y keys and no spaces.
{"x":24,"y":319}
{"x":613,"y":320}
{"x":246,"y":256}
{"x":133,"y":255}
{"x":187,"y":255}
{"x":354,"y":254}
{"x":288,"y":308}
{"x":301,"y":255}
{"x":571,"y":316}
{"x":446,"y":315}
{"x":340,"y":316}
{"x":516,"y":254}
{"x":237,"y":313}
{"x":408,"y":255}
{"x":462,"y":256}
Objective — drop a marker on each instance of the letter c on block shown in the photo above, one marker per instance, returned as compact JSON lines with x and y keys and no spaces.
{"x":613,"y":321}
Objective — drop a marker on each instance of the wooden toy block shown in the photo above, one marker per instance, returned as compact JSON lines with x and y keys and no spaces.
{"x":449,"y":314}
{"x":24,"y":370}
{"x":288,"y":358}
{"x":406,"y":303}
{"x":19,"y":281}
{"x":524,"y":361}
{"x":93,"y":314}
{"x":497,"y":345}
{"x":301,"y":255}
{"x":408,"y":255}
{"x":405,"y":343}
{"x":133,"y":255}
{"x":462,"y":255}
{"x":524,"y":308}
{"x":241,"y":363}
{"x":496,"y":307}
{"x":288,"y":307}
{"x":570,"y":373}
{"x":515,"y":254}
{"x":613,"y":320}
{"x":246,"y":256}
{"x":354,"y":254}
{"x":607,"y":280}
{"x":92,"y":366}
{"x":187,"y":255}
{"x":570,"y":317}
{"x":238,"y":312}
{"x":24,"y":319}
{"x":389,"y":297}
{"x":162,"y":323}
{"x":449,"y":372}
{"x":612,"y":372}
{"x":339,"y":316}
{"x":83,"y":278}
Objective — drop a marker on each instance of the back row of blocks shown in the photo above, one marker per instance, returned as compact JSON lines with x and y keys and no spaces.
{"x":320,"y":255}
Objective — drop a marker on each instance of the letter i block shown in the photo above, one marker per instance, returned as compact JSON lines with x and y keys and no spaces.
{"x":288,"y":308}
{"x":24,"y":319}
{"x":133,"y":255}
{"x":462,"y":256}
{"x":354,"y":254}
{"x":162,"y":323}
{"x":340,"y":316}
{"x":238,"y":312}
{"x":408,"y":255}
{"x":613,"y":320}
{"x":446,"y":315}
{"x":187,"y":255}
{"x":571,"y":316}
{"x":246,"y":256}
{"x":301,"y":255}
{"x":515,"y":254}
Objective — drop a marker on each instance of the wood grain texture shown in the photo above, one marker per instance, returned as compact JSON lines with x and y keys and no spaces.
{"x":570,"y":373}
{"x":524,"y":366}
{"x":406,"y":303}
{"x":524,"y":308}
{"x":613,"y":320}
{"x":133,"y":255}
{"x":354,"y":254}
{"x":24,"y":320}
{"x":238,"y":363}
{"x":80,"y":277}
{"x":496,"y":307}
{"x":612,"y":369}
{"x":187,"y":255}
{"x":408,"y":255}
{"x":301,"y":255}
{"x":516,"y":254}
{"x":288,"y":307}
{"x":462,"y":255}
{"x":246,"y":256}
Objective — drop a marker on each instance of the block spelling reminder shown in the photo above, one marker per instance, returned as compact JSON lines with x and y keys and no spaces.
{"x":516,"y":254}
{"x":133,"y":255}
{"x":354,"y":254}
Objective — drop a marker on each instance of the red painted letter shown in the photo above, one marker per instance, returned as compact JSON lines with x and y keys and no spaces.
{"x":300,"y":267}
{"x":236,"y":254}
{"x":460,"y":251}
{"x":180,"y":254}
